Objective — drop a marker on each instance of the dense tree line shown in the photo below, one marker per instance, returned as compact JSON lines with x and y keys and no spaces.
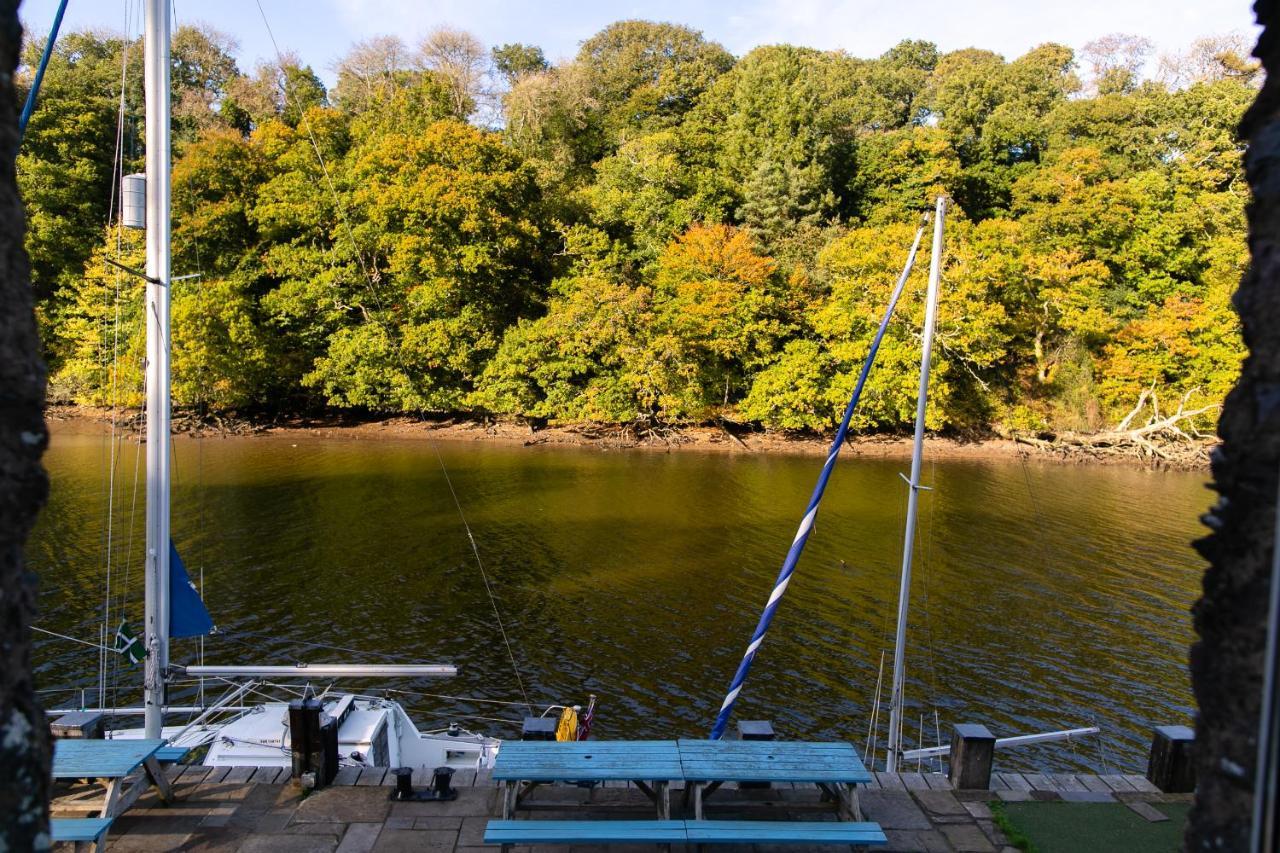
{"x":655,"y":230}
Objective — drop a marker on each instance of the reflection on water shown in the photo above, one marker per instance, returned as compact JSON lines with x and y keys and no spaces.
{"x":1045,"y":597}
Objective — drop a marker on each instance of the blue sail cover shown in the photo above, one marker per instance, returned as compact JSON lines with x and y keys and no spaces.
{"x":188,"y":617}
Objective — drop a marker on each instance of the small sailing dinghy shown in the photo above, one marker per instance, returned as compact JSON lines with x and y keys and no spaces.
{"x":246,"y":725}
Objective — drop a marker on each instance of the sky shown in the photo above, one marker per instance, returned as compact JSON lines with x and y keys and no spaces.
{"x":321,"y":30}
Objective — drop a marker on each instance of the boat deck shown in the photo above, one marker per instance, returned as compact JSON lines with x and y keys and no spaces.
{"x":258,"y":809}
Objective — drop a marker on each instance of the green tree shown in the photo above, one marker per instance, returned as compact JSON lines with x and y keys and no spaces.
{"x":516,"y":61}
{"x":450,"y":218}
{"x":644,"y":76}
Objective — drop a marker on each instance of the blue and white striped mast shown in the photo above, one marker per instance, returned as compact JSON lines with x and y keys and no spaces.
{"x":811,"y":513}
{"x":913,"y":495}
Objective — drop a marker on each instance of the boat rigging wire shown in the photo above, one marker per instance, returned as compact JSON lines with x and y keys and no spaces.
{"x":72,"y":639}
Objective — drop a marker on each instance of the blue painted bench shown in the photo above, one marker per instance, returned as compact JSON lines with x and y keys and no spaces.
{"x":833,"y":766}
{"x":650,"y":765}
{"x":511,"y":832}
{"x":171,"y":754}
{"x":84,"y":832}
{"x":784,"y":832}
{"x":111,"y":763}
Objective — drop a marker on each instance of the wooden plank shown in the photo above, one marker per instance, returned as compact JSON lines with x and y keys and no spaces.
{"x":239,"y":775}
{"x":87,"y":829}
{"x":216,"y":775}
{"x":194,"y":774}
{"x":756,"y":747}
{"x":346,"y":776}
{"x":595,"y":774}
{"x":266,"y":775}
{"x":556,"y":749}
{"x":890,"y":781}
{"x":371,"y":776}
{"x":1039,"y":782}
{"x":76,"y":758}
{"x":786,"y":832}
{"x":998,"y":784}
{"x":701,"y":765}
{"x":584,"y":831}
{"x":873,"y":783}
{"x":1117,"y":783}
{"x":937,"y":782}
{"x":914,"y":782}
{"x":1148,"y":811}
{"x":748,"y":774}
{"x":1066,"y":782}
{"x":1015,"y":781}
{"x":1141,"y":783}
{"x":1093,"y":783}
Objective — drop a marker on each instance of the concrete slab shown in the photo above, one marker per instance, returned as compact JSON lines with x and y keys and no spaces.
{"x":941,"y":804}
{"x":967,"y":838}
{"x":978,"y":810}
{"x":893,"y":810}
{"x":344,"y":805}
{"x":904,"y":841}
{"x":279,"y":843}
{"x":1087,"y":797}
{"x":470,"y":803}
{"x":415,"y":840}
{"x":360,"y":838}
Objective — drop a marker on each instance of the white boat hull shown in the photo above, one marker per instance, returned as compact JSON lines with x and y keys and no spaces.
{"x":372,"y":732}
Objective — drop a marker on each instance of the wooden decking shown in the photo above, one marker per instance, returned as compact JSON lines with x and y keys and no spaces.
{"x":1006,"y":786}
{"x":260,"y":810}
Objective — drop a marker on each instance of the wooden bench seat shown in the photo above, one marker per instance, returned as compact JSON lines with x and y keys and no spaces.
{"x":510,"y":832}
{"x":171,"y":754}
{"x":84,"y":832}
{"x":507,"y":832}
{"x":783,"y":832}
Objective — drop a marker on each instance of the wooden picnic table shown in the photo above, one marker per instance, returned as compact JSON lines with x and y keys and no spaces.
{"x":834,"y":767}
{"x":650,"y":764}
{"x":110,"y":763}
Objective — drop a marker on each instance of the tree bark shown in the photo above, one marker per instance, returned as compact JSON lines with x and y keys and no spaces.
{"x":24,"y":735}
{"x":1231,"y":616}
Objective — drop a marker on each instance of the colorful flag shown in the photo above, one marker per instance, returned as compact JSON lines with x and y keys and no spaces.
{"x":127,"y":643}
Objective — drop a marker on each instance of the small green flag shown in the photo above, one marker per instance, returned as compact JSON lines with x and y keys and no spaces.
{"x":127,"y":643}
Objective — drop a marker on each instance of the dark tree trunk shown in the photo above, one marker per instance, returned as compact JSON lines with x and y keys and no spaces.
{"x":1226,"y":662}
{"x":24,"y":736}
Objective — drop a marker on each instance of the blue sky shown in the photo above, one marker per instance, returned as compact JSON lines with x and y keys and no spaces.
{"x":320,"y":30}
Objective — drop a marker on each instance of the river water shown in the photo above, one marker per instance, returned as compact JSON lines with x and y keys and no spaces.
{"x":1045,"y":596}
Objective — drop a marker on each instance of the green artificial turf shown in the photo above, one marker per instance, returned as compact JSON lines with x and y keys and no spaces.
{"x":1052,"y":827}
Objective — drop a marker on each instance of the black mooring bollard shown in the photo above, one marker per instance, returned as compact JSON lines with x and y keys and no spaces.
{"x":439,"y":790}
{"x":440,"y":779}
{"x":404,"y":783}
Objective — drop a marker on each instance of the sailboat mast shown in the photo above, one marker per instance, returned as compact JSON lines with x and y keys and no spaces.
{"x":156,"y":628}
{"x":913,"y":495}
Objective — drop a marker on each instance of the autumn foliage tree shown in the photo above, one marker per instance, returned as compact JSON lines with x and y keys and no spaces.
{"x":656,"y":231}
